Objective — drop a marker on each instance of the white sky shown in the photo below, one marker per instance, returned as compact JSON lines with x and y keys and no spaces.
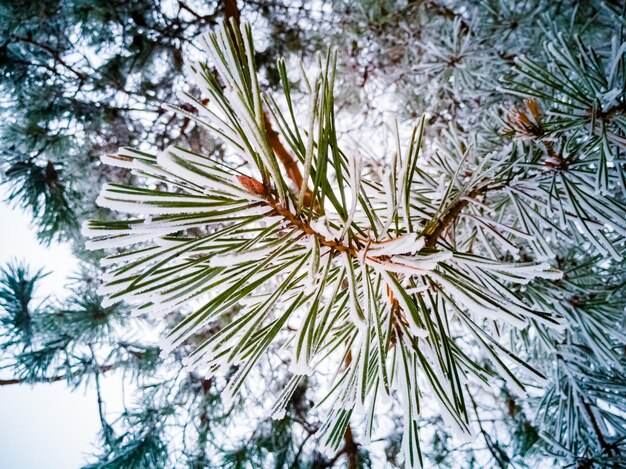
{"x":46,"y":426}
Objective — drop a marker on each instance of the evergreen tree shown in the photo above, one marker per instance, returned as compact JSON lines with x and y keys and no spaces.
{"x":451,"y":284}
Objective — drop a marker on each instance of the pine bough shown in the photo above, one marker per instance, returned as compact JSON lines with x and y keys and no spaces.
{"x":372,"y":273}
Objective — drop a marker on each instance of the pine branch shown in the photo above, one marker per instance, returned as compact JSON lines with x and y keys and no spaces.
{"x":437,"y":230}
{"x":295,"y":464}
{"x":334,"y":271}
{"x":288,"y":161}
{"x":232,"y":12}
{"x":9,"y":382}
{"x":349,"y":449}
{"x":305,"y":228}
{"x":612,"y":112}
{"x":606,"y":448}
{"x":107,"y":430}
{"x":493,"y":449}
{"x":51,"y":379}
{"x":56,"y":55}
{"x":207,"y":19}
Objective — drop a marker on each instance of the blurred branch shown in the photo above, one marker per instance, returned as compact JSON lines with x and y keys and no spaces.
{"x":8,"y":382}
{"x":52,"y":379}
{"x":56,"y":55}
{"x":491,"y":446}
{"x":350,"y":449}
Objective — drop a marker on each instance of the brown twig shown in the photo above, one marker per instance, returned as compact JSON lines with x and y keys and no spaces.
{"x":303,"y":226}
{"x":438,"y":229}
{"x":351,"y":449}
{"x":288,"y":161}
{"x":231,"y":11}
{"x":52,"y":379}
{"x":9,"y":382}
{"x":619,"y":109}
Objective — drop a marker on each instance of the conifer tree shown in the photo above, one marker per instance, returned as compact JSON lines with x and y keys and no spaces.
{"x":445,"y":276}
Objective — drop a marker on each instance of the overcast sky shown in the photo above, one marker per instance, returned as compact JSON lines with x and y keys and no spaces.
{"x":46,"y":426}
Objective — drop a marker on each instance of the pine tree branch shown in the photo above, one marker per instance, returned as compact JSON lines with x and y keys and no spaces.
{"x":52,"y":379}
{"x":204,"y":418}
{"x":56,"y":55}
{"x":438,"y":229}
{"x":231,"y":11}
{"x":295,"y":464}
{"x":606,"y":447}
{"x":619,"y":109}
{"x":107,"y":430}
{"x":303,"y":226}
{"x":351,"y":448}
{"x":208,"y":19}
{"x":490,"y":445}
{"x":560,"y":163}
{"x":9,"y":382}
